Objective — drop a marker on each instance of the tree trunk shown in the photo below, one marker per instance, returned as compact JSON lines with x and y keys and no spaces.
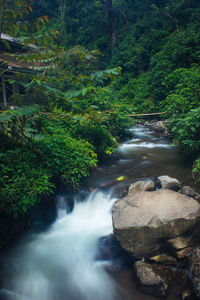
{"x":62,"y":10}
{"x":4,"y":91}
{"x":108,"y":5}
{"x":112,"y":28}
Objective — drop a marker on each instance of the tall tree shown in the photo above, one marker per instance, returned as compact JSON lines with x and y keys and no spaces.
{"x":108,"y":5}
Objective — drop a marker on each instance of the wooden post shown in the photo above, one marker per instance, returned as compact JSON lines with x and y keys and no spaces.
{"x":4,"y":91}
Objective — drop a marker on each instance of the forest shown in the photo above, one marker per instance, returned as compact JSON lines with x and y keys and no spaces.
{"x":94,"y":63}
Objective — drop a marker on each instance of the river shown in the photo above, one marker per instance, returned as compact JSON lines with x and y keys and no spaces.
{"x":69,"y":260}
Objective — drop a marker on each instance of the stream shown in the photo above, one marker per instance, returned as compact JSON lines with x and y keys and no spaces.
{"x":68,"y":260}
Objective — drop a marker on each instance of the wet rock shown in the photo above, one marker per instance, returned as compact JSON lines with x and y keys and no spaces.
{"x":164,"y":259}
{"x":194,"y":270}
{"x":120,"y":191}
{"x":188,"y":191}
{"x":141,"y":186}
{"x":109,"y":248}
{"x":159,"y":126}
{"x":180,"y":242}
{"x":166,"y":133}
{"x":184,"y":252}
{"x":111,"y":252}
{"x":143,"y":222}
{"x":197,"y":197}
{"x":146,"y":123}
{"x":153,"y":279}
{"x":167,"y":182}
{"x":180,"y":278}
{"x":187,"y":295}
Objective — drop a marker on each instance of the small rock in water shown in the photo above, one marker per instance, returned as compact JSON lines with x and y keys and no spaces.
{"x":120,"y":191}
{"x":164,"y":259}
{"x":188,"y":191}
{"x":141,"y":186}
{"x":159,"y":126}
{"x":111,"y":251}
{"x":184,"y":252}
{"x":167,"y":182}
{"x":180,"y":242}
{"x":152,"y":279}
{"x":188,"y":295}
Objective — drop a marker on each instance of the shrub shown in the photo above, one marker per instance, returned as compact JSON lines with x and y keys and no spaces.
{"x":196,"y":170}
{"x":29,"y":174}
{"x":186,"y":130}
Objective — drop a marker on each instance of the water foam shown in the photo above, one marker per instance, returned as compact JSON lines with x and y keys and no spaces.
{"x":60,"y":263}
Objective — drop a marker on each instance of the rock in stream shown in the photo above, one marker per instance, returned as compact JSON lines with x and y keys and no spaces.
{"x":145,"y":222}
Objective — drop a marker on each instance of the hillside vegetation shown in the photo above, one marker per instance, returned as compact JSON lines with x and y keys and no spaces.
{"x":99,"y":61}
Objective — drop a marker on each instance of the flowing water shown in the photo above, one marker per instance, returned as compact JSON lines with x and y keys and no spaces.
{"x":64,"y":261}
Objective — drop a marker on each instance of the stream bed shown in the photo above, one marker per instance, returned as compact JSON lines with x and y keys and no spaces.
{"x":64,"y":261}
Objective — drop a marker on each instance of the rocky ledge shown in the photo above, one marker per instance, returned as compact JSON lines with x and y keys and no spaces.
{"x":158,"y":225}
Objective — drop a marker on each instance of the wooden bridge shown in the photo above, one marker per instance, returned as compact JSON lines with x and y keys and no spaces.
{"x":147,"y":115}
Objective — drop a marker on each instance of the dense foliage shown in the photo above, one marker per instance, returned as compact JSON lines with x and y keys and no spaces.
{"x":67,"y":120}
{"x":28,"y":172}
{"x":76,"y":106}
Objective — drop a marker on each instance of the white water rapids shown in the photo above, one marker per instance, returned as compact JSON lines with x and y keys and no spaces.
{"x":61,"y":263}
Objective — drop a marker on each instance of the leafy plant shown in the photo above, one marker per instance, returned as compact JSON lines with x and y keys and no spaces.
{"x":29,"y":174}
{"x":196,"y":169}
{"x":186,"y":130}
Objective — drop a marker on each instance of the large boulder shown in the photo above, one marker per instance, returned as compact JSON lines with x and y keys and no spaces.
{"x":144,"y":221}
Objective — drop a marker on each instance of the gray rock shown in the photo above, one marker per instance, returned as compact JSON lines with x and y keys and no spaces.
{"x":166,"y":133}
{"x":141,"y":186}
{"x":188,"y":191}
{"x":159,"y":126}
{"x":152,"y":279}
{"x":197,"y":197}
{"x":167,"y":182}
{"x":144,"y":221}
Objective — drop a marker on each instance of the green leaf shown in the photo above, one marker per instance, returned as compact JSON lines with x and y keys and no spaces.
{"x":84,"y":91}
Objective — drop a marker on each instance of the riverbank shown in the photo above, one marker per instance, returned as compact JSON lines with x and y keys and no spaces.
{"x":143,"y":157}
